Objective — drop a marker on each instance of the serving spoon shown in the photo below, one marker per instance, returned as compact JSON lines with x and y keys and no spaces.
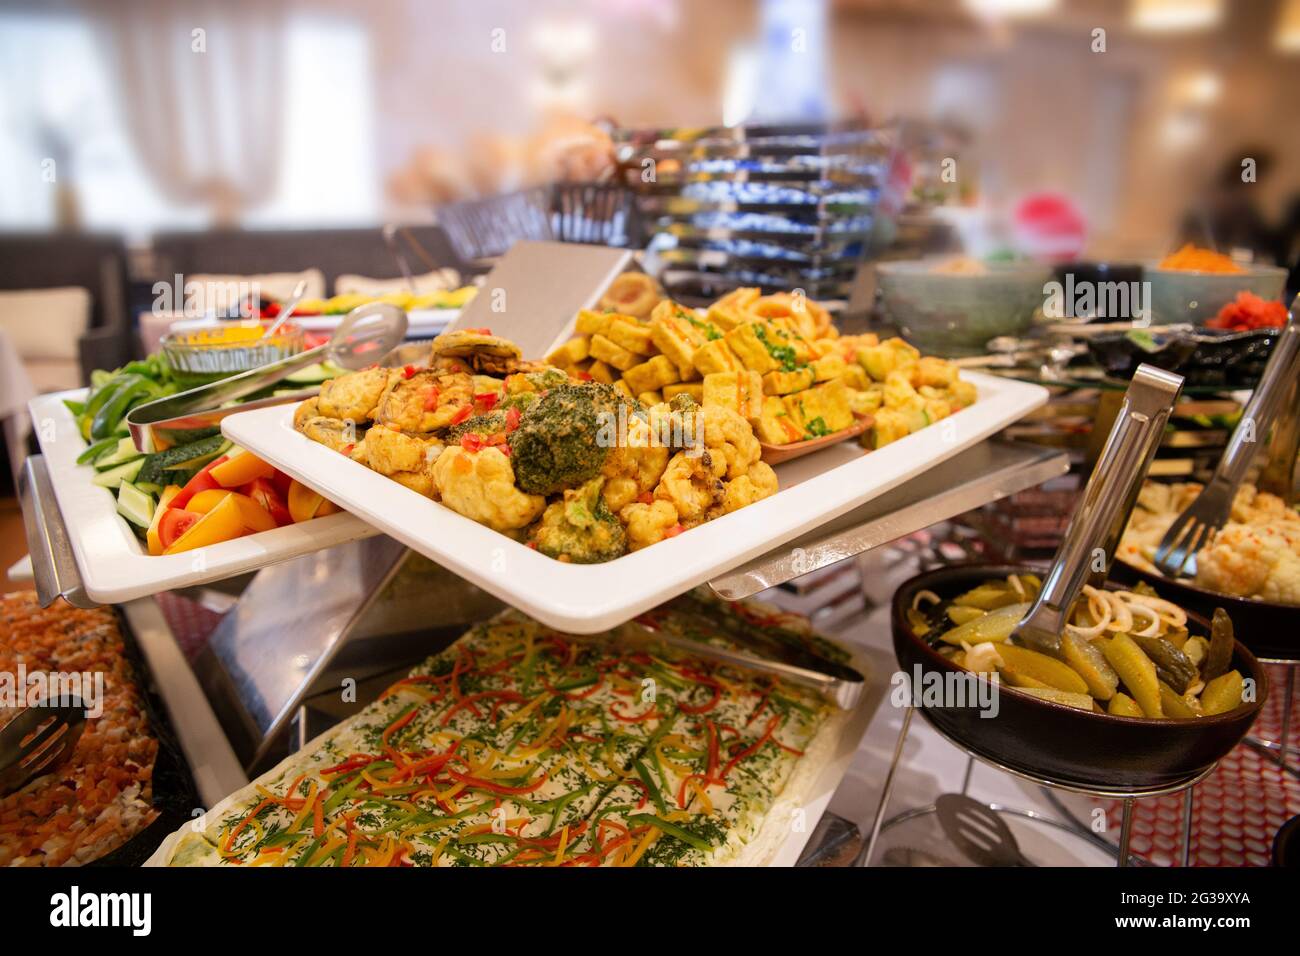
{"x":363,"y":338}
{"x":286,"y":310}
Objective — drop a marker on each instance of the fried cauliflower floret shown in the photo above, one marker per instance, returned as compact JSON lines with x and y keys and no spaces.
{"x":355,"y":396}
{"x":1250,"y":560}
{"x":580,"y":528}
{"x":692,"y":484}
{"x":404,"y":458}
{"x":634,"y":466}
{"x":758,"y":482}
{"x":426,"y":401}
{"x":648,"y":524}
{"x":731,"y":438}
{"x":481,"y":485}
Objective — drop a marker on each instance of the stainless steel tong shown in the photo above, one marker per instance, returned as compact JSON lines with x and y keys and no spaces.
{"x":1191,"y":530}
{"x":1099,"y":519}
{"x":38,"y":740}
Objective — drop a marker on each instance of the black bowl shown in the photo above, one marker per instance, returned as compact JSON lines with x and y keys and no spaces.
{"x":1063,"y":744}
{"x":1271,"y":631}
{"x":1209,"y":358}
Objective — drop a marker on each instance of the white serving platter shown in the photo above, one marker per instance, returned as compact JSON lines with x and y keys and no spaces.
{"x":584,"y":599}
{"x":114,"y":566}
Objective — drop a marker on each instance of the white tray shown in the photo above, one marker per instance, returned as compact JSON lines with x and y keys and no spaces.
{"x":114,"y":566}
{"x":584,"y":599}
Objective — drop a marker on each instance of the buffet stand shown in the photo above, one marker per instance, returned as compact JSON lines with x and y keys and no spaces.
{"x":268,"y":678}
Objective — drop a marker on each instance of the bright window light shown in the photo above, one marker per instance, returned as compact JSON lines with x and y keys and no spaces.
{"x":1175,"y":15}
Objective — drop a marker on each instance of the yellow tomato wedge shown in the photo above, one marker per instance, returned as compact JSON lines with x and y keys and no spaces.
{"x":224,"y":522}
{"x":205,"y":501}
{"x":240,"y":469}
{"x":305,"y":504}
{"x":164,"y":501}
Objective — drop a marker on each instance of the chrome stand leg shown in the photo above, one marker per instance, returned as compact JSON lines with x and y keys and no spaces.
{"x":864,"y":855}
{"x":1279,"y":751}
{"x":1125,"y":832}
{"x":1185,"y":856}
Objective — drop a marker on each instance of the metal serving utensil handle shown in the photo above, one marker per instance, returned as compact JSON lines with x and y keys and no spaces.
{"x":1099,"y":519}
{"x":1275,"y":384}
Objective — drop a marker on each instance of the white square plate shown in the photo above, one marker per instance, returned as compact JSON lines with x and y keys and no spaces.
{"x":114,"y":565}
{"x":584,"y":599}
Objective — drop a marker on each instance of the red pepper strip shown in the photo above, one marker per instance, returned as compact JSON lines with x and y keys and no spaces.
{"x":753,"y":748}
{"x":431,"y":399}
{"x":483,"y":331}
{"x":423,"y":766}
{"x":409,"y":371}
{"x":355,"y":762}
{"x":502,"y":664}
{"x":464,"y":413}
{"x":470,"y":700}
{"x":252,"y":815}
{"x":397,"y":725}
{"x":706,"y":706}
{"x":471,"y":441}
{"x":652,"y":712}
{"x":512,"y":419}
{"x":317,"y":817}
{"x":493,"y":787}
{"x":487,"y":399}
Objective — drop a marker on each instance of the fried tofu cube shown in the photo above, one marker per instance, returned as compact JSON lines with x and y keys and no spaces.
{"x":822,"y":409}
{"x":650,"y":398}
{"x":780,"y":382}
{"x":775,"y":426}
{"x":830,"y":366}
{"x":790,"y":335}
{"x":733,"y":308}
{"x":855,"y":376}
{"x":935,"y":372}
{"x":632,"y":336}
{"x":592,"y":323}
{"x":621,"y":387}
{"x":889,"y":426}
{"x":891,"y":355}
{"x":750,"y":342}
{"x":899,"y":392}
{"x":600,"y":372}
{"x":571,"y":352}
{"x":693,"y":389}
{"x":689,"y":373}
{"x":864,"y":401}
{"x":652,"y":374}
{"x":678,"y":333}
{"x":612,"y":354}
{"x":716,"y":356}
{"x":742,"y":392}
{"x":963,"y":393}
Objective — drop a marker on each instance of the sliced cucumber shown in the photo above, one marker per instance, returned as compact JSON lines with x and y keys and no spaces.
{"x":135,"y":505}
{"x":194,"y":455}
{"x":123,"y":450}
{"x":311,"y":375}
{"x":115,"y":476}
{"x":146,"y":487}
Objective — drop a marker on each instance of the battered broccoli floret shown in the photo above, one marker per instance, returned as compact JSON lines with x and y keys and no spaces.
{"x":488,"y":423}
{"x":581,"y":528}
{"x":557,"y":444}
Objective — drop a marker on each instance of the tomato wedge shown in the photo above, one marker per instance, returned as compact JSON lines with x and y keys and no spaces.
{"x":200,"y":482}
{"x":222,"y":523}
{"x":175,"y":522}
{"x":265,"y":494}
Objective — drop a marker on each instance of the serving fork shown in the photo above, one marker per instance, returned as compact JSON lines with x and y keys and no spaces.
{"x":1191,"y":530}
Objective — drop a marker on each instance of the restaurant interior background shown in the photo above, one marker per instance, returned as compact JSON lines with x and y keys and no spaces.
{"x":348,"y":145}
{"x":144,"y":122}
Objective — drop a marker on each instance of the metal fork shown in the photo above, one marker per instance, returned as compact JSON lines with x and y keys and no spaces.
{"x":38,"y":740}
{"x":1191,"y":530}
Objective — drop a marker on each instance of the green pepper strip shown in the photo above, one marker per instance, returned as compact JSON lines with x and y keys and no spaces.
{"x":686,"y":836}
{"x":655,"y":794}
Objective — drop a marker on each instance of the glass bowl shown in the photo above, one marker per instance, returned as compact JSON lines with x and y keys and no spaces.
{"x":1184,"y":295}
{"x":952,"y":314}
{"x":219,"y":351}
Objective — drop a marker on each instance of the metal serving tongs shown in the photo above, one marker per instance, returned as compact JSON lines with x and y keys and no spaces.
{"x":1102,"y":513}
{"x":363,"y":338}
{"x":839,"y":684}
{"x":1176,"y":556}
{"x":38,"y":739}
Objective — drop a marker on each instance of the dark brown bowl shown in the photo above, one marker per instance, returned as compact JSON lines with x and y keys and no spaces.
{"x":1064,"y":744}
{"x":1270,"y":630}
